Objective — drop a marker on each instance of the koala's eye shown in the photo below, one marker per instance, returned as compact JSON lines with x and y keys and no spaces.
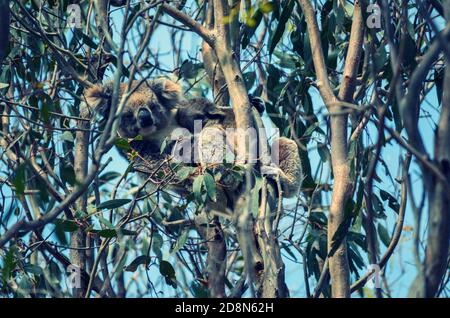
{"x":127,"y":115}
{"x":153,"y":105}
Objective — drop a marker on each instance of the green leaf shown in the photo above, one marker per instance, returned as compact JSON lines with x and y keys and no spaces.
{"x":285,"y":14}
{"x":181,"y":241}
{"x":115,"y":62}
{"x":343,"y":228}
{"x":286,"y":61}
{"x":210,"y":185}
{"x":166,"y":196}
{"x":380,"y":58}
{"x":358,"y":239}
{"x":439,"y":80}
{"x":86,"y":39}
{"x":289,"y":251}
{"x":66,"y":225}
{"x":249,"y":79}
{"x":318,"y":217}
{"x":357,"y":217}
{"x":197,"y":187}
{"x":166,"y":269}
{"x":157,"y":243}
{"x":19,"y":180}
{"x":140,"y":260}
{"x":199,"y":290}
{"x":324,"y":152}
{"x":251,"y":25}
{"x":108,"y":176}
{"x":183,"y":172}
{"x":267,"y":7}
{"x":378,"y":207}
{"x":127,"y":232}
{"x":189,"y":69}
{"x":107,"y":233}
{"x":355,"y":259}
{"x":397,"y":117}
{"x":164,"y":145}
{"x":384,"y":235}
{"x":392,"y":202}
{"x":106,"y":222}
{"x":113,"y":204}
{"x":308,"y":132}
{"x":409,"y":58}
{"x":33,"y":269}
{"x":4,"y":85}
{"x":9,"y":264}
{"x":255,"y":195}
{"x":123,"y":144}
{"x":353,"y":147}
{"x":68,"y":174}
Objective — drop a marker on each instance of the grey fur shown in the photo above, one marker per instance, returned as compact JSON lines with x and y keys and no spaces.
{"x":168,"y":110}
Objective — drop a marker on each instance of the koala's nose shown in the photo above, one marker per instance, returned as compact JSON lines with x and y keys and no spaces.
{"x":145,"y":117}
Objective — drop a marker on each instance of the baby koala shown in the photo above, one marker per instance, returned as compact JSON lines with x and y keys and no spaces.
{"x":156,"y":109}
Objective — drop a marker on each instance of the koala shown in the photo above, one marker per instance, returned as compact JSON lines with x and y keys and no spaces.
{"x":157,"y":108}
{"x":218,"y":119}
{"x":151,"y":112}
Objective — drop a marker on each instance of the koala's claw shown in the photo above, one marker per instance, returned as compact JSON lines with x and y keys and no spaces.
{"x":257,"y":102}
{"x":271,"y":170}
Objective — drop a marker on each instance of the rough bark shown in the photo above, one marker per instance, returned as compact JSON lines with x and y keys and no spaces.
{"x":78,"y":238}
{"x":437,"y":250}
{"x":438,"y":237}
{"x":338,"y":262}
{"x":217,"y":251}
{"x":212,"y":66}
{"x":220,"y":40}
{"x":229,"y":62}
{"x":271,"y":283}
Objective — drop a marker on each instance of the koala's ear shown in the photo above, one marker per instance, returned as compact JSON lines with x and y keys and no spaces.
{"x":167,"y":91}
{"x":98,"y":97}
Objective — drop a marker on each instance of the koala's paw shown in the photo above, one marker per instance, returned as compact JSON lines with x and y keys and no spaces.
{"x":271,"y":171}
{"x":257,"y":102}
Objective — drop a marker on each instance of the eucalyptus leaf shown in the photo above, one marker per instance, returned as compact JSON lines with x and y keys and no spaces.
{"x":113,"y":204}
{"x":140,"y":260}
{"x":210,"y":186}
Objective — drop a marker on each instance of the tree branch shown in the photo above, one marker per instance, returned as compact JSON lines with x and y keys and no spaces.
{"x":190,"y":23}
{"x":398,"y":227}
{"x":338,"y":262}
{"x":317,"y":53}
